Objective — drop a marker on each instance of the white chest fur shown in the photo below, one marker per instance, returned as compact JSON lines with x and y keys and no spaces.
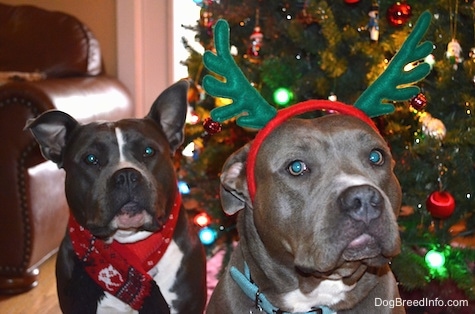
{"x":164,"y":274}
{"x":327,"y":293}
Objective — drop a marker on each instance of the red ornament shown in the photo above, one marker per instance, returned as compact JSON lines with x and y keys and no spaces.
{"x":351,"y":1}
{"x":212,"y":127}
{"x":419,"y":101}
{"x":440,"y":204}
{"x":399,"y":13}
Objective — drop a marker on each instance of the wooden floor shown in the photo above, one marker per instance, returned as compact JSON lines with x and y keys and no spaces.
{"x":43,"y":299}
{"x":39,"y":300}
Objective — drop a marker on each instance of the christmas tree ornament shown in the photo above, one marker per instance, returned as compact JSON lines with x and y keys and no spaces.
{"x":419,"y":101}
{"x":212,"y":127}
{"x":254,"y":50}
{"x":454,"y":53}
{"x":454,"y":50}
{"x":440,"y":204}
{"x":351,"y":1}
{"x":257,"y":38}
{"x":399,"y":13}
{"x":206,"y":20}
{"x":373,"y":24}
{"x":432,"y":127}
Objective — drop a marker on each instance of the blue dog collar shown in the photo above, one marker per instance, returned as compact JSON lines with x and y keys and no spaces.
{"x":252,"y":291}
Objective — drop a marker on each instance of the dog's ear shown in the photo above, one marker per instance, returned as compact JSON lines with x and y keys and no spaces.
{"x":51,"y":130}
{"x":234,"y":192}
{"x":169,"y":111}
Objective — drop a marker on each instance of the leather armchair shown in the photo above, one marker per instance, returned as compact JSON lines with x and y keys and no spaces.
{"x":48,"y":60}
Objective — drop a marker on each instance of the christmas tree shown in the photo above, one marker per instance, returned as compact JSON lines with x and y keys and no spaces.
{"x":293,"y":51}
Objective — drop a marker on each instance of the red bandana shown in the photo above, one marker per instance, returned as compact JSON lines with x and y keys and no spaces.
{"x":287,"y":113}
{"x":121,"y":268}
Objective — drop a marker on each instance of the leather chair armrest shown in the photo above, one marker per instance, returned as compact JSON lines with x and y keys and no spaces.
{"x":85,"y":98}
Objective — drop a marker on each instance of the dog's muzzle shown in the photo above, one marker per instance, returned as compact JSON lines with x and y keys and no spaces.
{"x":362,"y":203}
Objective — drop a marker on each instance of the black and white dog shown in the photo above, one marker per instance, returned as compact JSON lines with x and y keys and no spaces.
{"x":128,"y":247}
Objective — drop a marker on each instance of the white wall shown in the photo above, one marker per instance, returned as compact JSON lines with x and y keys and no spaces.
{"x":144,"y":49}
{"x":185,"y":12}
{"x":150,"y":47}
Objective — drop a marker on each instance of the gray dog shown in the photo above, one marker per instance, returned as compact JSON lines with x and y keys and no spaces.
{"x":321,"y":228}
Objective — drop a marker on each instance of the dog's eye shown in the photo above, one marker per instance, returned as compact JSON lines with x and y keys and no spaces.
{"x":376,"y":157}
{"x":148,"y":151}
{"x":297,"y":168}
{"x":91,"y":159}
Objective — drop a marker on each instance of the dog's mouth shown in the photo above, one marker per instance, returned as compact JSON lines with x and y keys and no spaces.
{"x":131,"y":217}
{"x":347,"y":271}
{"x":128,"y":221}
{"x":364,"y":249}
{"x":364,"y":245}
{"x":134,"y":216}
{"x":367,"y":249}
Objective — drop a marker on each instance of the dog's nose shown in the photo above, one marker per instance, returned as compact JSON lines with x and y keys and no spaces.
{"x":362,"y":202}
{"x":126,"y":178}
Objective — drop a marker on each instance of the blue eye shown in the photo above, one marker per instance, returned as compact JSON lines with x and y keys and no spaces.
{"x":148,"y":151}
{"x":92,"y":159}
{"x":297,"y":168}
{"x":376,"y":157}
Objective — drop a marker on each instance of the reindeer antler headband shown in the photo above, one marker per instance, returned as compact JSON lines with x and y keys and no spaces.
{"x":252,"y":110}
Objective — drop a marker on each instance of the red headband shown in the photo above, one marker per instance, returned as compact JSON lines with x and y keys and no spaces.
{"x":287,"y":113}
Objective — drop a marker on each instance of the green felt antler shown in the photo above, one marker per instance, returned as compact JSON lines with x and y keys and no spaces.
{"x":253,"y":111}
{"x":250,"y":108}
{"x":394,"y":83}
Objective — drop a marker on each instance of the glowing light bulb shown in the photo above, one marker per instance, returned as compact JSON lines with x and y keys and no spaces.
{"x":282,"y":96}
{"x":435,"y":259}
{"x":207,"y":235}
{"x":183,"y":187}
{"x":202,"y":219}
